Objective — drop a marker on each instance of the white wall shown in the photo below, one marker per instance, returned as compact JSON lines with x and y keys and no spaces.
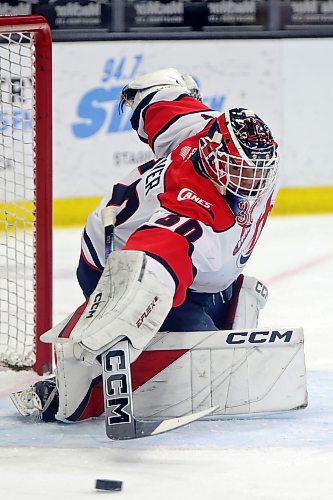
{"x":287,"y":82}
{"x":307,"y":111}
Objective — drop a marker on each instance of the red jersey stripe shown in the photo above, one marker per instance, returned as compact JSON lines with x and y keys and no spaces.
{"x":159,"y":114}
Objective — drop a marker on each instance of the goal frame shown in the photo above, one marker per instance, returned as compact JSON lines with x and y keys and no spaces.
{"x":43,"y":175}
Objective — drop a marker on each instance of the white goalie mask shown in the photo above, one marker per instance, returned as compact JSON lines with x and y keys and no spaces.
{"x":241,"y":156}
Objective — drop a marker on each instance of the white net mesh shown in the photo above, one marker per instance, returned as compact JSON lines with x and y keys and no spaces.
{"x":17,"y":195}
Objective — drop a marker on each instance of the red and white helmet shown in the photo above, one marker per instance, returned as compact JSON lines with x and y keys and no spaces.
{"x":241,"y":156}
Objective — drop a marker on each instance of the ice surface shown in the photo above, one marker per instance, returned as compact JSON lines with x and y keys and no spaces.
{"x":289,"y":456}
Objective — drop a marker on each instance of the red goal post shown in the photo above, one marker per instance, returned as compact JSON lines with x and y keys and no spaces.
{"x":25,"y":191}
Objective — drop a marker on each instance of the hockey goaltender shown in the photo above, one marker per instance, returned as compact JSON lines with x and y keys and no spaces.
{"x":168,"y":332}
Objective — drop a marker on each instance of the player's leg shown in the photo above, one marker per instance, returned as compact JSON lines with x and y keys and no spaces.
{"x":239,"y":305}
{"x":73,"y":394}
{"x":236,"y":307}
{"x":79,"y":385}
{"x":192,"y":315}
{"x":132,"y":305}
{"x":219,"y":307}
{"x":87,"y":276}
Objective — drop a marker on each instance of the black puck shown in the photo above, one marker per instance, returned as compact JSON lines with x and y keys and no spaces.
{"x":108,"y":485}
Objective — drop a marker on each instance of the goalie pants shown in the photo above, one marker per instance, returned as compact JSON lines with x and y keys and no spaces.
{"x":199,"y":311}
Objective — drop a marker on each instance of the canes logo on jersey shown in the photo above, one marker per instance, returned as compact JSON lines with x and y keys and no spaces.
{"x":188,"y":194}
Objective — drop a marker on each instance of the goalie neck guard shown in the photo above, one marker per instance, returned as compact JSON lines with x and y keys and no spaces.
{"x":240,"y":154}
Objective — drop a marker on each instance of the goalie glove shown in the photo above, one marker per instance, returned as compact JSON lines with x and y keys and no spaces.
{"x":133,"y":93}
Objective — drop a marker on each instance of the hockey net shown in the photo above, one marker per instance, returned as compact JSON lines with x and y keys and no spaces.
{"x":25,"y":192}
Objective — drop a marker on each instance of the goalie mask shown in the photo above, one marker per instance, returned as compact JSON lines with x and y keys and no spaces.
{"x":241,"y":156}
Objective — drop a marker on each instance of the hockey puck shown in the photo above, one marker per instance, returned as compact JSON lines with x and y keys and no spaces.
{"x":108,"y":485}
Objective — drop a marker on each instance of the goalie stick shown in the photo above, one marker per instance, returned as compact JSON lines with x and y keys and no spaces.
{"x":120,"y":422}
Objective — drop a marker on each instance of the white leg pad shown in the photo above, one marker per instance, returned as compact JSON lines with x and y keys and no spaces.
{"x":73,"y":380}
{"x":251,"y":298}
{"x":244,"y":372}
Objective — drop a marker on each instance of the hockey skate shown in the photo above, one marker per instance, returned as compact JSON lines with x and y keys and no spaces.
{"x":41,"y":400}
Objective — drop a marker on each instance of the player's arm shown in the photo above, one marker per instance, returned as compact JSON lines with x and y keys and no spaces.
{"x":125,"y":201}
{"x":136,"y":290}
{"x":167,"y":109}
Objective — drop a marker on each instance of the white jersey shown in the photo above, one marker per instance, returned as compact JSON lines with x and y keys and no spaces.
{"x":168,"y":209}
